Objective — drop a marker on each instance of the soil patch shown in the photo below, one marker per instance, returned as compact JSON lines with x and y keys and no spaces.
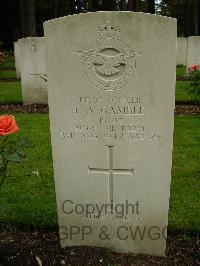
{"x":41,"y":247}
{"x":19,"y":108}
{"x":184,"y":109}
{"x":183,"y":78}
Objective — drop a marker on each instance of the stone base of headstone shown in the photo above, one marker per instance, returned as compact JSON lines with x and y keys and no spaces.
{"x":39,"y":96}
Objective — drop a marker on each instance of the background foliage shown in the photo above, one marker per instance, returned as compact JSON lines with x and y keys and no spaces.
{"x":22,"y":18}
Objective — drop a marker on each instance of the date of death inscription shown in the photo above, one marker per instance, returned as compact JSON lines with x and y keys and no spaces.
{"x":110,"y":118}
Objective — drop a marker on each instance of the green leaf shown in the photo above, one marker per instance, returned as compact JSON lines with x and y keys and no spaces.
{"x":1,"y":161}
{"x":11,"y":142}
{"x":21,"y":152}
{"x":25,"y":142}
{"x":14,"y":157}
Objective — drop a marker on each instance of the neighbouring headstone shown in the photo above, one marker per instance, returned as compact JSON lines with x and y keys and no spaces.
{"x":181,"y":55}
{"x":193,"y":54}
{"x":111,"y":85}
{"x":33,"y":70}
{"x":17,"y":59}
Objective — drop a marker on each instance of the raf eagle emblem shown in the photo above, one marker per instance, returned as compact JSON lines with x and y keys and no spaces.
{"x":109,"y":63}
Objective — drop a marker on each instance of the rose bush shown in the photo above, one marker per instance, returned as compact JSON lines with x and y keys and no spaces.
{"x":10,"y":150}
{"x":193,"y":68}
{"x":194,"y":76}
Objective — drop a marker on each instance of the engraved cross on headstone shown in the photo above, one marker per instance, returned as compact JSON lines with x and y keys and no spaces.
{"x":110,"y":171}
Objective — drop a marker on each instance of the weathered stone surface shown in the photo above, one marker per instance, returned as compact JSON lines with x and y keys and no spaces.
{"x":111,"y":84}
{"x":33,"y":70}
{"x":181,"y":55}
{"x":193,"y":55}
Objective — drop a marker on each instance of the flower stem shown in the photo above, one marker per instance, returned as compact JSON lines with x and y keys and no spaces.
{"x":3,"y":173}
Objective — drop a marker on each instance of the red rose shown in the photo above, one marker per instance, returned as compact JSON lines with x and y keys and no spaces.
{"x":8,"y":125}
{"x":193,"y":68}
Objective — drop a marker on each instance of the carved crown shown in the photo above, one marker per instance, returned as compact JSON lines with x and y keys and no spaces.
{"x":108,"y":30}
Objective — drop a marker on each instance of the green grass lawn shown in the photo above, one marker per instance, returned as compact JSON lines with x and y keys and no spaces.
{"x":185,"y":186}
{"x":10,"y":92}
{"x":7,"y":74}
{"x":28,"y":194}
{"x":9,"y":63}
{"x":180,"y":71}
{"x":181,"y":92}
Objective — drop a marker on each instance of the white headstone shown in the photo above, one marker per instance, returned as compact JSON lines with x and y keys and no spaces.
{"x":17,"y":59}
{"x":193,"y":55}
{"x":33,"y":70}
{"x":181,"y":56}
{"x":111,"y":83}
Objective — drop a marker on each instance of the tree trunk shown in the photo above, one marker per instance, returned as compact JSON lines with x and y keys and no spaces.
{"x":72,"y":7}
{"x":22,"y":18}
{"x":187,"y":18}
{"x":79,"y":6}
{"x":199,"y":19}
{"x":132,"y":5}
{"x":151,"y":6}
{"x":123,"y":5}
{"x":56,"y":8}
{"x":29,"y":23}
{"x":96,"y":4}
{"x":196,"y":17}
